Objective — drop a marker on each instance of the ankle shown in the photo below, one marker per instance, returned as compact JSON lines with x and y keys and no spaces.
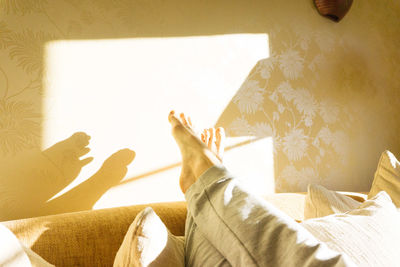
{"x":204,"y":163}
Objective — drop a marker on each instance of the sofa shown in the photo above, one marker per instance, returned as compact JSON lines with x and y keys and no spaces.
{"x":92,"y":238}
{"x":88,"y":238}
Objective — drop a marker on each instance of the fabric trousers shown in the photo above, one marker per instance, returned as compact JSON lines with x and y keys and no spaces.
{"x":228,"y":226}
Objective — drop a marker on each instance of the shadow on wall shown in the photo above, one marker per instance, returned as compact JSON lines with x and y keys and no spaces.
{"x":25,"y":28}
{"x":30,"y":181}
{"x":322,"y":94}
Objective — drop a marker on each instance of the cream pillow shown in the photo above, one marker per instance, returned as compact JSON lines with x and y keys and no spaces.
{"x":387,"y":177}
{"x":320,"y":202}
{"x":14,"y":254}
{"x":149,"y":243}
{"x":369,"y":235}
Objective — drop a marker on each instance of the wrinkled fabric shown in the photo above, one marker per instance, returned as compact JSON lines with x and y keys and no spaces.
{"x":228,"y":226}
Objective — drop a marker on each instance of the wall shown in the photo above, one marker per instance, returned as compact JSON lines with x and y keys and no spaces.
{"x":328,"y":94}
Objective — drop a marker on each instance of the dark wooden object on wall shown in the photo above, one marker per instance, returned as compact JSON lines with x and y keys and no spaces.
{"x":333,"y":9}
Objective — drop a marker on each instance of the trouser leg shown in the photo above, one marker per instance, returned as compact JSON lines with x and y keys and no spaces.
{"x":199,"y":252}
{"x":248,"y":231}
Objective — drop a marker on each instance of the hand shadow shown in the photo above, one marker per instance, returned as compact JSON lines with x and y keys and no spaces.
{"x":29,"y":180}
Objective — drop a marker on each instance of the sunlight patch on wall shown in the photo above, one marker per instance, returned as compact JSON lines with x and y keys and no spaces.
{"x":253,"y":163}
{"x":120,"y":92}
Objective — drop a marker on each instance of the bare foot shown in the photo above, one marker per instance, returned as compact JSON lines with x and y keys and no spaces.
{"x":214,"y":139}
{"x":196,"y":156}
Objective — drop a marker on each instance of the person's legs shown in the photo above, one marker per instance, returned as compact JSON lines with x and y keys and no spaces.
{"x":244,"y":229}
{"x":198,"y":250}
{"x":196,"y":156}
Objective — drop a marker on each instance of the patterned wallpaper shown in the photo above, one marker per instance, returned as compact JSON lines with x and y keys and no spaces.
{"x":328,"y":94}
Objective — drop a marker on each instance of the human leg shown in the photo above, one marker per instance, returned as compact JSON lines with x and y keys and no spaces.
{"x":244,"y":229}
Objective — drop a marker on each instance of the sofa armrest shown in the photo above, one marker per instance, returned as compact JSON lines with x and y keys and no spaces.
{"x":89,"y":238}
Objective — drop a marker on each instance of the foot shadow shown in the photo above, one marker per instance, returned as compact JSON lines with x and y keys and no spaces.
{"x":29,"y":180}
{"x":86,"y":194}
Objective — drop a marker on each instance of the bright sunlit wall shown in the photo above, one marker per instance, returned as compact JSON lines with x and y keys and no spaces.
{"x":120,"y":92}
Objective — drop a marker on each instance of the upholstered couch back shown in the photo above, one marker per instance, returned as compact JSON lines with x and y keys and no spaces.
{"x":89,"y":238}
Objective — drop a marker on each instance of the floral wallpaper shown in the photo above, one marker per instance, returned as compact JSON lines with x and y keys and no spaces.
{"x":328,"y":94}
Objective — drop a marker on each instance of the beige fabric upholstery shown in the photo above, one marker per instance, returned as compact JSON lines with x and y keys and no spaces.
{"x":92,"y":238}
{"x":293,"y":204}
{"x":89,"y":238}
{"x":321,"y":202}
{"x":387,"y":177}
{"x":35,"y":259}
{"x":290,"y":203}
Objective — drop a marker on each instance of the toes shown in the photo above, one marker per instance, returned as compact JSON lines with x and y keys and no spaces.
{"x":186,"y":121}
{"x":183,"y":119}
{"x":220,"y":139}
{"x":173,"y":119}
{"x":204,"y":136}
{"x":219,"y":134}
{"x":211,"y":136}
{"x":171,"y":115}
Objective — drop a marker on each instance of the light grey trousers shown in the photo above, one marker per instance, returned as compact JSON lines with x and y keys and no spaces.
{"x":228,"y":226}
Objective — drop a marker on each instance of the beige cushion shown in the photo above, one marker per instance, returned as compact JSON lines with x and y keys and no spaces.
{"x":369,"y":234}
{"x":149,"y":243}
{"x":290,"y":203}
{"x":14,"y":254}
{"x":387,"y":177}
{"x":320,"y":202}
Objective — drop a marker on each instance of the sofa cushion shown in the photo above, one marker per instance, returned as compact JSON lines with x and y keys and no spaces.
{"x":367,"y":234}
{"x":290,"y":203}
{"x":320,"y":202}
{"x":149,"y":243}
{"x":387,"y":177}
